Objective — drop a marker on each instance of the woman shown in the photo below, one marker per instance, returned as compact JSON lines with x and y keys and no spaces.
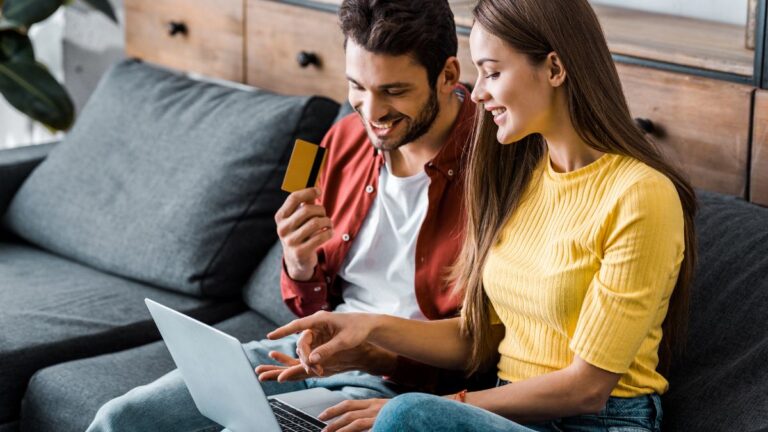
{"x":579,"y":251}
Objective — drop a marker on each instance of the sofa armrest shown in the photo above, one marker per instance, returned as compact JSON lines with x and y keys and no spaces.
{"x":15,"y":166}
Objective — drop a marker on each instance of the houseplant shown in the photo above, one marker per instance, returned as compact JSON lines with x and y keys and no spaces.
{"x":24,"y":82}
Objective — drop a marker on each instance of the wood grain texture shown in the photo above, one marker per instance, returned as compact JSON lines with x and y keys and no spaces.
{"x":213,"y":44}
{"x":673,"y":39}
{"x":276,"y":33}
{"x":759,"y":175}
{"x":703,"y":124}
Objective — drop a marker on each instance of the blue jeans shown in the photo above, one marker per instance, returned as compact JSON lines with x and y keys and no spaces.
{"x":166,"y":405}
{"x":421,"y":412}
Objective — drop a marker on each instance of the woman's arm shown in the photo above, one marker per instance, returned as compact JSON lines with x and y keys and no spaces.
{"x":437,"y":343}
{"x":578,"y":389}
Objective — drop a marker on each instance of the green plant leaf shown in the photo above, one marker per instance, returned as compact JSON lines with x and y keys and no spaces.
{"x":28,"y":12}
{"x":104,"y":7}
{"x":30,"y":88}
{"x":15,"y":47}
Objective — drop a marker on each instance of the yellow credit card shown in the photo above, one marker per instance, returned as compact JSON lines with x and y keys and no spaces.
{"x":305,"y":166}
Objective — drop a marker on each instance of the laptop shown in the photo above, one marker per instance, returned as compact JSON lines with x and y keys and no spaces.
{"x":225,"y":386}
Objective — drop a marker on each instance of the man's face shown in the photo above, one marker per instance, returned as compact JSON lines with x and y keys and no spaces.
{"x":392,"y":95}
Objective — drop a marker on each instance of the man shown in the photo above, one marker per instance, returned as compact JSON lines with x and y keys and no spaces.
{"x":382,"y":230}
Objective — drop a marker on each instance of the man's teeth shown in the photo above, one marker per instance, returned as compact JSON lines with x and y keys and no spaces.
{"x":498,"y":111}
{"x":386,"y":125}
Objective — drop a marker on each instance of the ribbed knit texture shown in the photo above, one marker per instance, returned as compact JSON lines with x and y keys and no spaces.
{"x":586,"y":267}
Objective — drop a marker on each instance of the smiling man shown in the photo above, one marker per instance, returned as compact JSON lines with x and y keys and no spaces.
{"x":380,"y":233}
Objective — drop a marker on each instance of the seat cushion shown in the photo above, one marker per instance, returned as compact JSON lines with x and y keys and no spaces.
{"x":168,"y":180}
{"x":720,"y":384}
{"x":65,"y":397}
{"x":54,"y":310}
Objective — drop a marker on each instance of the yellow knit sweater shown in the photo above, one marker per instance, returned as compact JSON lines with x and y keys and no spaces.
{"x":586,"y":267}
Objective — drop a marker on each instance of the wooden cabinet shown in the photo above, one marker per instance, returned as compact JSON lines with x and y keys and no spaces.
{"x":692,"y":79}
{"x":294,"y":50}
{"x":288,"y":57}
{"x":759,"y":169}
{"x":203,"y":36}
{"x":702,"y":124}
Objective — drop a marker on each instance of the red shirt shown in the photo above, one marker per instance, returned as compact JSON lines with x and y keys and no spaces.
{"x":349,"y":185}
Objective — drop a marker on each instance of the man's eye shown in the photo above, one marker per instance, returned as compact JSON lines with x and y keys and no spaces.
{"x":355,"y":86}
{"x":395,"y":92}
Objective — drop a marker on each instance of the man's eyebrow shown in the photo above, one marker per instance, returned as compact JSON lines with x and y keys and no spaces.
{"x":389,"y":86}
{"x":393,"y":85}
{"x":484,"y":60}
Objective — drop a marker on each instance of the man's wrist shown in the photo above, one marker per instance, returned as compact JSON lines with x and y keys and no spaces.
{"x":299,"y":274}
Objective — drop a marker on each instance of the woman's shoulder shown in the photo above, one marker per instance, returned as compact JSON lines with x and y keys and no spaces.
{"x":632,"y":174}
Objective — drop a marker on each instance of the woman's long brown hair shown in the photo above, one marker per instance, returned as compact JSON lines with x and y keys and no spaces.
{"x":498,"y":175}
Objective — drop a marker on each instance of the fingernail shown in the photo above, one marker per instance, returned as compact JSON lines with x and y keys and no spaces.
{"x":314,"y":358}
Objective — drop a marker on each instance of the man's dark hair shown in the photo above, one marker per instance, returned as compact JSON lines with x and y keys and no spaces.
{"x":424,"y":29}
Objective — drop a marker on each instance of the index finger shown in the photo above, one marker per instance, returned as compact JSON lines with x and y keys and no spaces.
{"x":292,"y":327}
{"x":295,"y":199}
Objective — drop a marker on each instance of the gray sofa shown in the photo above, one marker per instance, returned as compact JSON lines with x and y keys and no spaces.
{"x":166,"y":188}
{"x":75,"y":332}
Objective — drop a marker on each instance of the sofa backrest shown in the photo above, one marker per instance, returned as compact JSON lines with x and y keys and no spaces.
{"x":168,"y":180}
{"x":722,"y":381}
{"x":262,"y":292}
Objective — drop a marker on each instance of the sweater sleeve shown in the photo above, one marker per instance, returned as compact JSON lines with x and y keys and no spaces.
{"x":643,"y":245}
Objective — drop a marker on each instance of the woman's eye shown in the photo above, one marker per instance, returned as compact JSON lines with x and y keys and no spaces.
{"x":492,"y":76}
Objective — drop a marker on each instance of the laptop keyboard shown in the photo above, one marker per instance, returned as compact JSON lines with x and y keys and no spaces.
{"x":293,"y":420}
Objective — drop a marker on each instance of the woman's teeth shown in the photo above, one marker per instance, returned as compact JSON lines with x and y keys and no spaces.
{"x":498,"y":111}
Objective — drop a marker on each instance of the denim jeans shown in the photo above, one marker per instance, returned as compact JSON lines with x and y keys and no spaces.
{"x":166,"y":405}
{"x":422,"y":412}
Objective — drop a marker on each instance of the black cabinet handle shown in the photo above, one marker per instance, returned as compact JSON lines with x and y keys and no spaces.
{"x":305,"y":59}
{"x":646,"y":125}
{"x":177,"y":27}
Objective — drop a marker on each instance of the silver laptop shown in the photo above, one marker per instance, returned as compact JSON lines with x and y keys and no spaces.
{"x":225,"y":387}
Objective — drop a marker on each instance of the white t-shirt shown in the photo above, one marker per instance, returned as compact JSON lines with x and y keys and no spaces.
{"x":378,"y":274}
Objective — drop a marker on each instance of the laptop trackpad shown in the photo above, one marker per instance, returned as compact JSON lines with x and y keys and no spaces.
{"x":312,"y":401}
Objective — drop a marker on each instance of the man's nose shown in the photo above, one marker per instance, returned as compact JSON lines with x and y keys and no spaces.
{"x":373,"y":108}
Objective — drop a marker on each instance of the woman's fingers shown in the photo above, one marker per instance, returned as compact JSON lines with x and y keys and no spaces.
{"x":285,"y":359}
{"x":270,"y":375}
{"x":343,"y":407}
{"x":293,"y":373}
{"x":327,"y":350}
{"x":292,"y":327}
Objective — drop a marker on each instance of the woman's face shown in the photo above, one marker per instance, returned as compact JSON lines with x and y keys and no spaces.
{"x":520,"y":96}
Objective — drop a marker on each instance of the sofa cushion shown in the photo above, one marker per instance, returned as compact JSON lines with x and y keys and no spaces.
{"x":720,"y":384}
{"x":55,"y":310}
{"x":65,"y":397}
{"x":168,"y":180}
{"x":262,"y":293}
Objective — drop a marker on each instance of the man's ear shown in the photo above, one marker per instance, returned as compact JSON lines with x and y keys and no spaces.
{"x":557,"y":73}
{"x":449,"y":77}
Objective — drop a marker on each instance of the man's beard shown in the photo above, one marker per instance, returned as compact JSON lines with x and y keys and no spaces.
{"x":416,"y":128}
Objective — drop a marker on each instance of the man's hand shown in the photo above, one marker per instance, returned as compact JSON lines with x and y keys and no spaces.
{"x":352,"y":415}
{"x":302,"y":226}
{"x":366,"y":357}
